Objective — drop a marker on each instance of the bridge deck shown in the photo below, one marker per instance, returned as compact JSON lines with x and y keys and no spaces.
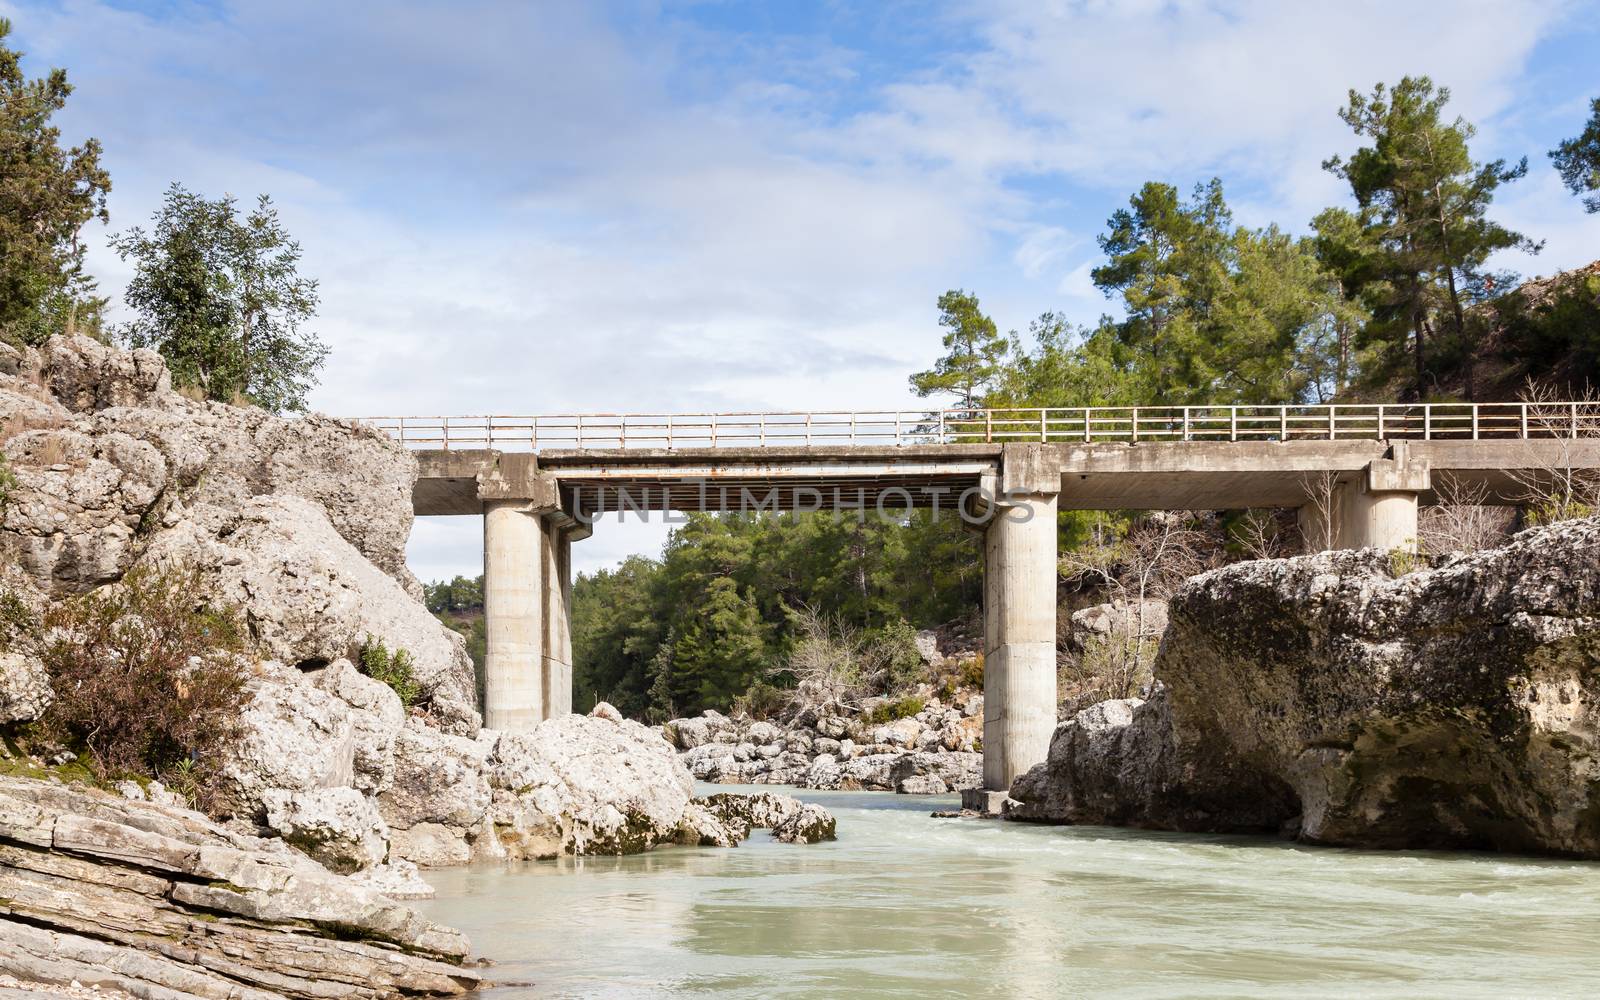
{"x":1171,"y":475}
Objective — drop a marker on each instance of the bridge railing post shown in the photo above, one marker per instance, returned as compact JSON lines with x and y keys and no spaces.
{"x":1333,"y":424}
{"x":1086,"y":419}
{"x":1283,"y":423}
{"x":1233,"y":423}
{"x":1427,"y":421}
{"x":1380,"y":421}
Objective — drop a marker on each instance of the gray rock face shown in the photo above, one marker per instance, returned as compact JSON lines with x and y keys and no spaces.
{"x":810,"y":824}
{"x":1452,"y":707}
{"x":24,"y":688}
{"x":160,"y":902}
{"x":338,"y":827}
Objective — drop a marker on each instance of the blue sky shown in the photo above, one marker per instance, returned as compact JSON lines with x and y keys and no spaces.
{"x":541,"y":207}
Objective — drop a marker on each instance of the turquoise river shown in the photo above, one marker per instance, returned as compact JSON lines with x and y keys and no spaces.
{"x":905,"y":905}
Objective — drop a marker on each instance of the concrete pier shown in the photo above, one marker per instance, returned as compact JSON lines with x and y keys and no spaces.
{"x":1376,"y":508}
{"x":556,"y":549}
{"x":513,"y":608}
{"x":1019,"y":637}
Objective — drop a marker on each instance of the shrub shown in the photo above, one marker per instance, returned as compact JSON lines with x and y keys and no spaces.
{"x":972,"y":671}
{"x":900,"y":708}
{"x":17,"y":623}
{"x":8,"y":482}
{"x":393,"y":669}
{"x":147,"y":676}
{"x":895,"y":649}
{"x":761,"y":701}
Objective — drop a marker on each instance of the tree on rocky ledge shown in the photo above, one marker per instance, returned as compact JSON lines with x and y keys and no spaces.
{"x":47,"y":195}
{"x":222,"y":299}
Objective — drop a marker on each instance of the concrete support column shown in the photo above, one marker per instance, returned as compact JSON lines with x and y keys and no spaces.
{"x":557,"y":554}
{"x":1019,"y":637}
{"x":513,"y":607}
{"x":1375,"y":509}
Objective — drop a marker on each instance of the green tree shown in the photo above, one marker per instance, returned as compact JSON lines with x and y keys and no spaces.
{"x":720,"y":649}
{"x":1214,"y":313}
{"x":47,"y":195}
{"x":1578,"y":160}
{"x":1166,"y":259}
{"x":973,"y":351}
{"x":223,"y":301}
{"x":1424,"y":202}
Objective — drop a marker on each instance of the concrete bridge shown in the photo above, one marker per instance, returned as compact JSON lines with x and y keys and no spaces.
{"x":1357,"y":474}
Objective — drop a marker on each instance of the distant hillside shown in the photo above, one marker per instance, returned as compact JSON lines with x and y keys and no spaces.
{"x":1547,"y":330}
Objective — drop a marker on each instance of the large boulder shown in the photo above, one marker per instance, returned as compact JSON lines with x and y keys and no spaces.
{"x":104,"y":450}
{"x":1453,"y":707}
{"x":586,"y":785}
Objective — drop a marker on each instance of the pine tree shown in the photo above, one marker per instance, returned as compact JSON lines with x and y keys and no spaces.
{"x":47,"y":195}
{"x":974,"y":349}
{"x":1578,"y":160}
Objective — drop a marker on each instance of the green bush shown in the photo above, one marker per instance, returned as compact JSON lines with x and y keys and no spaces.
{"x":149,"y":679}
{"x":972,"y":671}
{"x":393,"y":669}
{"x":895,"y":648}
{"x":8,"y":482}
{"x":900,"y":708}
{"x":761,"y":700}
{"x":17,"y":623}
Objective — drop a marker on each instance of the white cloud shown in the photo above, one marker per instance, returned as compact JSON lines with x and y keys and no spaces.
{"x":522,"y":208}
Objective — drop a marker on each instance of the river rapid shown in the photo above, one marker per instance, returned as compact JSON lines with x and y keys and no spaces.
{"x":905,"y":905}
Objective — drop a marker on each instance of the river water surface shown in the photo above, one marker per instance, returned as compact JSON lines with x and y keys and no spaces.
{"x":904,"y":905}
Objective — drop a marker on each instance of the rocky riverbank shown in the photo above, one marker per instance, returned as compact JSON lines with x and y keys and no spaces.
{"x":329,"y":773}
{"x":924,"y":741}
{"x":159,"y":901}
{"x":1342,"y":699}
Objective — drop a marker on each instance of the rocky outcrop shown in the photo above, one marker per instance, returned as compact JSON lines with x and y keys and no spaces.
{"x":301,"y":521}
{"x":585,"y":785}
{"x":25,"y":690}
{"x":338,"y":827}
{"x":1453,"y":707}
{"x":161,"y":902}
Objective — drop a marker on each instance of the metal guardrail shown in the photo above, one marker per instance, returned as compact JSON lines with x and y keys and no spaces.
{"x":1419,"y":421}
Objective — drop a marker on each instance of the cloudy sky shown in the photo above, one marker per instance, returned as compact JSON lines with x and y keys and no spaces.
{"x":560,"y":207}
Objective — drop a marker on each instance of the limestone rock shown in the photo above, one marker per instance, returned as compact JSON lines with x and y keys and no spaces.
{"x":396,"y":879}
{"x":581,"y":785}
{"x":700,"y":827}
{"x":438,"y":778}
{"x":1447,"y":708}
{"x":339,"y":827}
{"x":810,"y":824}
{"x":311,"y":598}
{"x":161,"y":902}
{"x":25,"y":690}
{"x":789,"y":819}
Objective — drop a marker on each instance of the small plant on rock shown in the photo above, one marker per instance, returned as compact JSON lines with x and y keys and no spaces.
{"x":149,"y":678}
{"x":393,"y":669}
